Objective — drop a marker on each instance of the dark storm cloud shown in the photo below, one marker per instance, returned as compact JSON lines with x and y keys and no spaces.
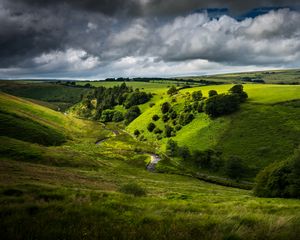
{"x":61,"y":36}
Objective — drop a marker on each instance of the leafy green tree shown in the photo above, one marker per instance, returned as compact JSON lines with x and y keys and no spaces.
{"x":235,"y":168}
{"x":165,"y":107}
{"x":239,"y":90}
{"x":212,"y":93}
{"x":171,"y":148}
{"x":118,"y":116}
{"x":136,"y":132}
{"x":155,"y":117}
{"x":197,"y":95}
{"x":172,"y":90}
{"x":184,"y":152}
{"x":151,"y":127}
{"x":107,"y":115}
{"x":132,"y":114}
{"x":168,"y":131}
{"x":221,"y":104}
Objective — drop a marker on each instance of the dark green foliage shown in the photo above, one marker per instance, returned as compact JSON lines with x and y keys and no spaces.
{"x":132,"y":114}
{"x":155,"y":117}
{"x":212,"y":93}
{"x":238,"y":89}
{"x":188,"y":108}
{"x":157,"y":131}
{"x":133,"y":189}
{"x":178,"y":127}
{"x":200,"y":108}
{"x":184,"y":152}
{"x":222,"y":104}
{"x":136,"y":98}
{"x":165,"y":117}
{"x":28,"y":130}
{"x":107,"y":115}
{"x":173,"y":115}
{"x":281,"y":179}
{"x":171,"y":148}
{"x":168,"y":131}
{"x":151,"y":127}
{"x":118,"y":116}
{"x":185,"y":118}
{"x":235,"y":168}
{"x":136,"y":132}
{"x":197,"y":95}
{"x":172,"y":90}
{"x":166,"y":106}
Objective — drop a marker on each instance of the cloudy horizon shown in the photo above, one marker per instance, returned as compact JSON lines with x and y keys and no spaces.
{"x":145,"y":38}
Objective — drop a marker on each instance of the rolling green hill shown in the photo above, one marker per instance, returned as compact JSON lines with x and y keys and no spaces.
{"x":264,"y":130}
{"x":83,"y":190}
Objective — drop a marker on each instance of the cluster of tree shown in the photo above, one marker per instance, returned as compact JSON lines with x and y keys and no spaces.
{"x":233,"y":167}
{"x":107,"y":98}
{"x":280,"y":179}
{"x":109,"y":115}
{"x":221,"y":104}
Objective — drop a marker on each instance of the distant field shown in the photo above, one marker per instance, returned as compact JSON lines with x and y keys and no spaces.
{"x":145,"y":86}
{"x":272,"y":76}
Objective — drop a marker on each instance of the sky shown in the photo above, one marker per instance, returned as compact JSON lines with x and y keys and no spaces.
{"x":98,"y":39}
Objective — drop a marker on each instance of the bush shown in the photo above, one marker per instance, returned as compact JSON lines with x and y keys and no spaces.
{"x":166,"y":106}
{"x":132,"y":114}
{"x":136,"y":132}
{"x":173,"y":115}
{"x":134,"y":189}
{"x":171,"y":148}
{"x":238,"y":89}
{"x":172,"y":90}
{"x":107,"y":115}
{"x":178,"y":127}
{"x":212,"y":93}
{"x":155,"y":117}
{"x":235,"y":168}
{"x":197,"y":95}
{"x":151,"y":127}
{"x":184,"y":152}
{"x":157,"y":131}
{"x":165,"y":118}
{"x":136,"y":98}
{"x":280,"y":179}
{"x":222,"y":104}
{"x":118,"y":116}
{"x":186,"y":118}
{"x":168,"y":131}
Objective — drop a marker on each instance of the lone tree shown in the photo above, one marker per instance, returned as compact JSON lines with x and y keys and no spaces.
{"x":172,"y":90}
{"x":212,"y":93}
{"x":151,"y":127}
{"x":197,"y":95}
{"x":165,"y":107}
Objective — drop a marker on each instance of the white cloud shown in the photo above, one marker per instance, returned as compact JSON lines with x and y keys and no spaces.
{"x":70,"y":60}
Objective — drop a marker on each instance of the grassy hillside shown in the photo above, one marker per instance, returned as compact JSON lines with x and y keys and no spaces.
{"x":58,"y":95}
{"x":83,"y":190}
{"x":265,"y":130}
